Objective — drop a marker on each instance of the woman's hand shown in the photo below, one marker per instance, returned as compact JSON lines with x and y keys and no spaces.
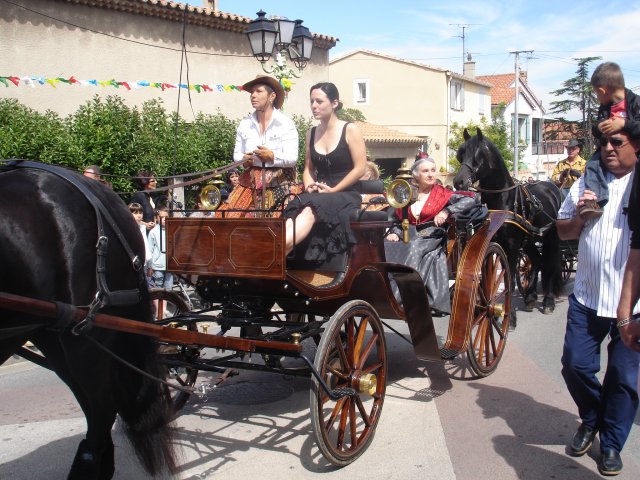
{"x":319,"y":187}
{"x":149,"y":225}
{"x":441,"y":218}
{"x":392,"y":237}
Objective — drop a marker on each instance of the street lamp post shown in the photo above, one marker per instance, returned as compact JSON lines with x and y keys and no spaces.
{"x":287,"y":37}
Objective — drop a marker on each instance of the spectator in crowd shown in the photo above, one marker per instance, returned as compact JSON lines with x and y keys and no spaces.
{"x":146,"y":182}
{"x":160,"y":278}
{"x":570,"y":169}
{"x":136,"y":211}
{"x":608,"y":407}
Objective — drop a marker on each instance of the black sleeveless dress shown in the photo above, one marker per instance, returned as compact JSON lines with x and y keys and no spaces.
{"x":331,"y":235}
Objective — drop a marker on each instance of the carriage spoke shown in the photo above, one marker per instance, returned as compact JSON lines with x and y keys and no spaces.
{"x":334,"y":414}
{"x":343,"y":422}
{"x":363,"y":413}
{"x":342,"y":354}
{"x":362,"y":330}
{"x":373,"y":367}
{"x":351,"y":341}
{"x":352,"y":424}
{"x":366,"y":352}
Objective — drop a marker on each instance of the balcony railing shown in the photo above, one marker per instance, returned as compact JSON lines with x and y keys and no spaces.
{"x":551,"y":147}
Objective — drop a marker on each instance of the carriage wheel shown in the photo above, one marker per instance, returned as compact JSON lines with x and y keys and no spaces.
{"x":171,"y":304}
{"x":524,"y":275}
{"x":352,"y":355}
{"x":490,"y":327}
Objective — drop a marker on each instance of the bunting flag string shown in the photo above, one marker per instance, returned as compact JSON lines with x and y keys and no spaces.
{"x":33,"y":82}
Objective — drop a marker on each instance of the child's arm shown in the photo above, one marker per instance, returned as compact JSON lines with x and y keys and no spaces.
{"x":613,"y":125}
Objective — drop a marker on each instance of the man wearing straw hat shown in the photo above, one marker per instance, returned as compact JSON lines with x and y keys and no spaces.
{"x":267,"y":143}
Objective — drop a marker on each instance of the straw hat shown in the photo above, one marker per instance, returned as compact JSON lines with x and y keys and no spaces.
{"x":271,"y":82}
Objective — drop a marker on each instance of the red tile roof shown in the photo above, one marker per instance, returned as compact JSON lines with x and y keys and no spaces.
{"x":174,"y":11}
{"x":502,"y":90}
{"x":379,"y":134}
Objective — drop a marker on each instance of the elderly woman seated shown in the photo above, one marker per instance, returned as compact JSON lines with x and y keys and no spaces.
{"x":427,"y":216}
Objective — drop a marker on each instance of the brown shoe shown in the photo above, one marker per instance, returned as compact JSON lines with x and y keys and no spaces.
{"x":589,"y":210}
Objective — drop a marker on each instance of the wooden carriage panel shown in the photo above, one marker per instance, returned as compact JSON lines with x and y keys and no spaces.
{"x":233,"y":247}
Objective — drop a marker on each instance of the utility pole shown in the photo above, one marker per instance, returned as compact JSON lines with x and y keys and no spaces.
{"x":463,"y":26}
{"x":516,"y":120}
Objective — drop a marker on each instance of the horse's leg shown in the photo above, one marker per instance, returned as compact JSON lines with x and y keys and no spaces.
{"x":551,"y":270}
{"x":531,"y":294}
{"x":84,"y":371}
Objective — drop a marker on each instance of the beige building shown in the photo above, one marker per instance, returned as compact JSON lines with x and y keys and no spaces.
{"x":136,"y":42}
{"x":413,"y":98}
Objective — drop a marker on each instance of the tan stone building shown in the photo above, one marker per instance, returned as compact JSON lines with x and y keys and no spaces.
{"x":137,"y":41}
{"x":413,"y":98}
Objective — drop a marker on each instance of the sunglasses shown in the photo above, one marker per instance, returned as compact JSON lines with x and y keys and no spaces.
{"x":615,"y":142}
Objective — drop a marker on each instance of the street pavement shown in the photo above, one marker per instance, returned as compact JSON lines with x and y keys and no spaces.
{"x":437,"y":422}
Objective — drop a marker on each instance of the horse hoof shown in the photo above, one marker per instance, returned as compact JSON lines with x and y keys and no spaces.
{"x":528,"y":307}
{"x":548,"y":310}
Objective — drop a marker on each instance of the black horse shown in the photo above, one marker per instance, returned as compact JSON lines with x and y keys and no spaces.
{"x":535,"y":207}
{"x":48,"y":236}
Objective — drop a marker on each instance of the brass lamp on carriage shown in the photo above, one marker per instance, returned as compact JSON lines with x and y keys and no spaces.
{"x":211,"y":196}
{"x":400,"y":194}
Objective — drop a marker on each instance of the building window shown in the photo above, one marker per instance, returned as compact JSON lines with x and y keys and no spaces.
{"x":457,"y":95}
{"x":481,"y":100}
{"x":361,"y":91}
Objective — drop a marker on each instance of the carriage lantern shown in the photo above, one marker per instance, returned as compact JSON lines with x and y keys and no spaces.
{"x":287,"y":37}
{"x":211,"y":196}
{"x":400,"y":194}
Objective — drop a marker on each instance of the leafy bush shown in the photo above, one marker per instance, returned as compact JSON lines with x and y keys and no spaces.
{"x":123,"y":140}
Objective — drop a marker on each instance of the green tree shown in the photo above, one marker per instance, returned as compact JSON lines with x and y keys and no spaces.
{"x":351,"y":115}
{"x":578,"y":95}
{"x":496,"y":131}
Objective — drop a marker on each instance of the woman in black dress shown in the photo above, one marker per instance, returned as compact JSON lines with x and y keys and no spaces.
{"x":334,"y":162}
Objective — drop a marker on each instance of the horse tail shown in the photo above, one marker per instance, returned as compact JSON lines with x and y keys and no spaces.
{"x":143,"y":403}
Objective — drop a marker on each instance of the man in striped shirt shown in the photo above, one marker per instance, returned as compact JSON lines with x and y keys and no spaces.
{"x":610,"y":407}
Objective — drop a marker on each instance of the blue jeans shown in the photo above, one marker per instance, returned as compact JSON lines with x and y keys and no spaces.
{"x":161,"y":279}
{"x":611,"y":406}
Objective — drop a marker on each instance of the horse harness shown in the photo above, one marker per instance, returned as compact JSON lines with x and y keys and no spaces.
{"x":104,"y":295}
{"x":521,"y":216}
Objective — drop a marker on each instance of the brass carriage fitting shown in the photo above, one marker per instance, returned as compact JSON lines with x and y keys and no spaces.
{"x":173,"y":324}
{"x":498,"y":309}
{"x":295,"y":338}
{"x":205,"y":327}
{"x":368,"y":383}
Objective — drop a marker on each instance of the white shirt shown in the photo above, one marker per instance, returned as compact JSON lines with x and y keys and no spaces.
{"x":280,"y":136}
{"x":157,"y":247}
{"x":603,"y":247}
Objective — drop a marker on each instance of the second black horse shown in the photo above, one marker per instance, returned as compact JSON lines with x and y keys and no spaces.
{"x":534,"y":207}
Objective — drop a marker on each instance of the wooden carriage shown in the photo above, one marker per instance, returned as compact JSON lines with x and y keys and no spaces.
{"x":239,"y":268}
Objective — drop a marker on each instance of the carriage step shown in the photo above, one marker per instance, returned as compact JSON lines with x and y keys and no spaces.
{"x":448,"y":353}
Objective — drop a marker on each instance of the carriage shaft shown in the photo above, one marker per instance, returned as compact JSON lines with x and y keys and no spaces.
{"x":178,"y":336}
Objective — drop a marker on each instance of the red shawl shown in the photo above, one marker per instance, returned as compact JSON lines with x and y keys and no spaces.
{"x":438,"y":199}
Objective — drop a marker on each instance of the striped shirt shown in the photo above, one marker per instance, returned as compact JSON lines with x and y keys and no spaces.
{"x":603,"y":247}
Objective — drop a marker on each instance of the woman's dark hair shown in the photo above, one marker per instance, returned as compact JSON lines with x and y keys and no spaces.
{"x":232,"y":171}
{"x":143,"y":178}
{"x":330,"y":90}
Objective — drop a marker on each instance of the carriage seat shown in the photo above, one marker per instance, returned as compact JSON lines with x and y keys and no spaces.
{"x":332,"y":272}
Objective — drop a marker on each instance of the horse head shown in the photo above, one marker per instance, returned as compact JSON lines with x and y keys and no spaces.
{"x":477,"y":157}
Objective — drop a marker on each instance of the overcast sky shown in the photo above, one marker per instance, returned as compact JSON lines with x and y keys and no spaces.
{"x":427,"y":31}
